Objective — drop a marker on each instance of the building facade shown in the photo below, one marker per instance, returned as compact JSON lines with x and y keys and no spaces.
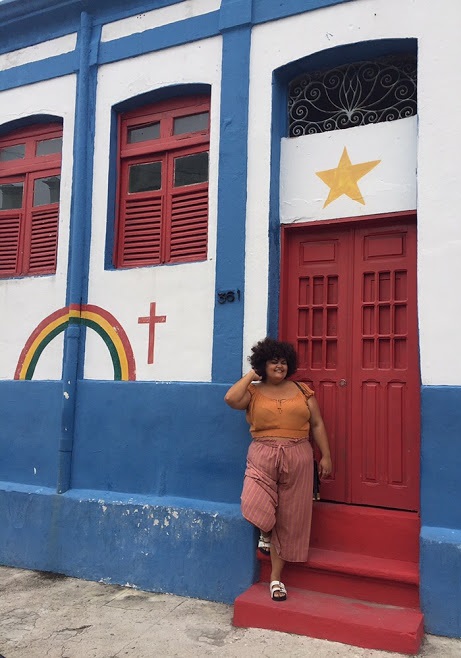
{"x":179,"y":179}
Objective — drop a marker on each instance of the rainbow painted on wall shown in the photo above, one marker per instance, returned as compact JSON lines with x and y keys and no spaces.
{"x":91,"y":316}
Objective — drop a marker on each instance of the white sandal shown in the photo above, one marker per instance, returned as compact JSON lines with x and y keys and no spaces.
{"x":264,"y":544}
{"x":277,"y":587}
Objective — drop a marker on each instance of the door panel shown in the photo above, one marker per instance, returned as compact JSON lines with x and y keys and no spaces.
{"x":348,"y":303}
{"x":315,"y":320}
{"x":385,"y":375}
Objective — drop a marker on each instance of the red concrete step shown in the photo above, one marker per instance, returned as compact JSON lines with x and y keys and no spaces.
{"x":364,"y":577}
{"x":335,"y":618}
{"x":389,"y":534}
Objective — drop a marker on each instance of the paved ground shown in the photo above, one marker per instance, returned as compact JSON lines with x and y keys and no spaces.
{"x":50,"y":616}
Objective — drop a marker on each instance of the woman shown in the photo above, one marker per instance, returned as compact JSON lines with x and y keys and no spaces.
{"x":277,"y":489}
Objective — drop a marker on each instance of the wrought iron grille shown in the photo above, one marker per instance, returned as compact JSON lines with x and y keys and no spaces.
{"x":353,"y":95}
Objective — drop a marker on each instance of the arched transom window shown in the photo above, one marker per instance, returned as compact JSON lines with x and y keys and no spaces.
{"x":353,"y":95}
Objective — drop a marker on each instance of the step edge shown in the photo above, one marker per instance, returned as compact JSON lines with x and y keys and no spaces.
{"x":405,"y":642}
{"x":356,"y":564}
{"x":365,"y":566}
{"x":348,"y":603}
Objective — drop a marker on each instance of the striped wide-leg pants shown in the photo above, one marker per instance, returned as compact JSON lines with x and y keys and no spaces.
{"x":277,"y":494}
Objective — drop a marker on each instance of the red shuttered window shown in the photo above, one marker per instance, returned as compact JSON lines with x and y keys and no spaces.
{"x":163,"y":183}
{"x":30,"y":174}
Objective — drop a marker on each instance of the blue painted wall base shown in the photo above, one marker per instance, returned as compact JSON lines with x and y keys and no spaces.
{"x":441,"y":585}
{"x":184,"y":547}
{"x":155,"y":501}
{"x":440,"y":509}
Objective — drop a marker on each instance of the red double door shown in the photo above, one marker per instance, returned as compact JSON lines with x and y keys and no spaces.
{"x":348,"y":303}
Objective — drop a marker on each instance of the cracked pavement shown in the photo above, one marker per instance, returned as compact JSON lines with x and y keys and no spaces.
{"x":44,"y":615}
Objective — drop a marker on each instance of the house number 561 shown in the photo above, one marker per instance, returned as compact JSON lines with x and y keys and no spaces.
{"x":228,"y":296}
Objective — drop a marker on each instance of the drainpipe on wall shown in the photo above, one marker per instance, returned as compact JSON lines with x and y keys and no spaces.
{"x":79,"y":241}
{"x":71,"y":350}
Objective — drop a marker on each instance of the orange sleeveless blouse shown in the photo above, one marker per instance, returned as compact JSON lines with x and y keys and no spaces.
{"x":286,"y":418}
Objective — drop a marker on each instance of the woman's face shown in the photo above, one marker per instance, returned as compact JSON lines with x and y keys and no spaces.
{"x":276,"y":370}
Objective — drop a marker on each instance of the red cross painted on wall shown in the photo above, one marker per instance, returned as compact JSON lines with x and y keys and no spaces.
{"x":151,"y":320}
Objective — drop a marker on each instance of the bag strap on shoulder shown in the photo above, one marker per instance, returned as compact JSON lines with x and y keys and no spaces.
{"x":301,"y":389}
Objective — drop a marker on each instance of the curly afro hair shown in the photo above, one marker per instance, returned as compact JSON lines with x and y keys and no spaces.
{"x":268,"y":349}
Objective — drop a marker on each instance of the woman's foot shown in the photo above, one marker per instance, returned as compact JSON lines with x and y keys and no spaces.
{"x":264,"y":543}
{"x":277,"y":588}
{"x":278,"y":591}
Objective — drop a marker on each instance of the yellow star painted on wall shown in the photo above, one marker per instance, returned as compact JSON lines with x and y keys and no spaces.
{"x":343,"y":179}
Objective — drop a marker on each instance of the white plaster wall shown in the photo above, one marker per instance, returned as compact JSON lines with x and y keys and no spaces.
{"x":29,"y":300}
{"x":157,"y":18}
{"x":390,"y":186}
{"x":435,"y":25}
{"x":183,"y":292}
{"x":38,"y":52}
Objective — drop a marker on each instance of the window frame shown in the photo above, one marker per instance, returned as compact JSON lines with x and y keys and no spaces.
{"x":164,"y":148}
{"x":27,"y":170}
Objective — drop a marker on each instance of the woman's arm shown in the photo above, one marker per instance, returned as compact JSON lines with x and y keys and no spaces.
{"x":237,"y":396}
{"x":320,"y":437}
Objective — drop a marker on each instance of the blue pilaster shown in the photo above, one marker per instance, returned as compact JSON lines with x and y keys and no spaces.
{"x":232,"y":196}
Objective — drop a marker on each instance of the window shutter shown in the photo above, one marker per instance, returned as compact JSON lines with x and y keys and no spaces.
{"x":162,"y":217}
{"x":141,"y":226}
{"x":44,"y":240}
{"x":10,"y":227}
{"x":189,"y":225}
